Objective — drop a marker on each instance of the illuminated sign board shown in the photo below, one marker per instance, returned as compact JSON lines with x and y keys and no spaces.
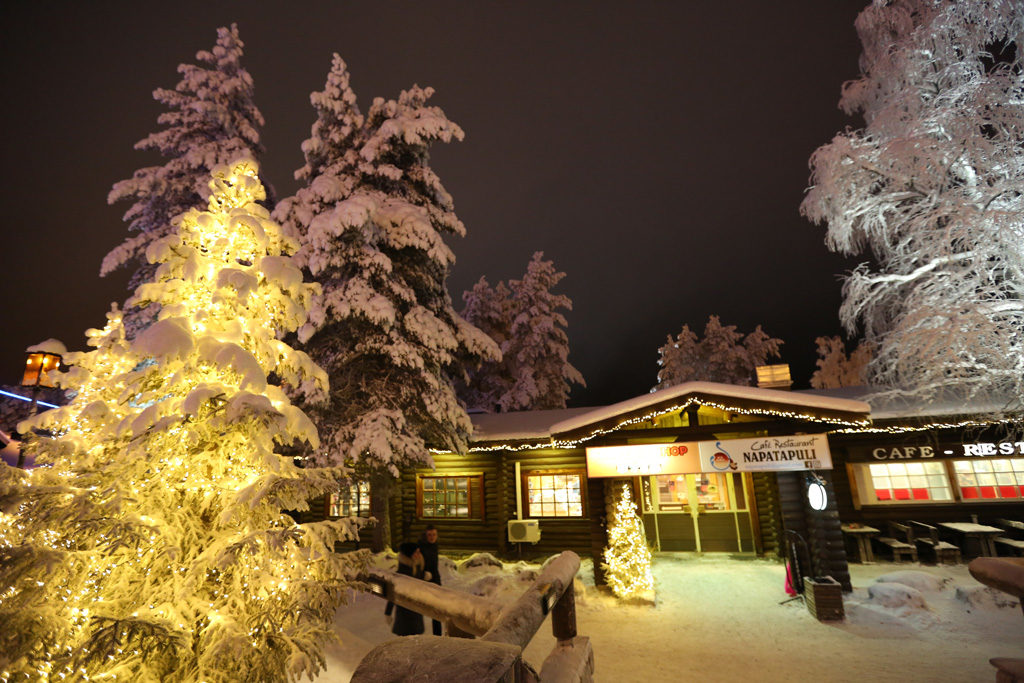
{"x":928,"y":451}
{"x":642,"y":459}
{"x":763,"y":454}
{"x":767,"y":454}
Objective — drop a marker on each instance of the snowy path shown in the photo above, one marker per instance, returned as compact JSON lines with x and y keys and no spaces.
{"x":719,"y":619}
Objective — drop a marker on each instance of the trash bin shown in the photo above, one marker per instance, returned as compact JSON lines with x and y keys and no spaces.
{"x":823,"y":596}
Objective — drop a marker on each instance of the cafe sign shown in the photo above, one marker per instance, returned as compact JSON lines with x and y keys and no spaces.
{"x":763,"y":454}
{"x":929,"y":451}
{"x":642,"y":459}
{"x":767,"y":454}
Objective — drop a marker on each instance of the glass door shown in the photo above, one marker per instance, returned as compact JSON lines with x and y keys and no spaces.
{"x":701,"y":512}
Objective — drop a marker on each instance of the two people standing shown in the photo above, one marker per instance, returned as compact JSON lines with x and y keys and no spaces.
{"x":419,"y":562}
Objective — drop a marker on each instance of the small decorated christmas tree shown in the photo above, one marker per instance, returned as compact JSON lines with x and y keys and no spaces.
{"x":628,"y":557}
{"x":152,"y":543}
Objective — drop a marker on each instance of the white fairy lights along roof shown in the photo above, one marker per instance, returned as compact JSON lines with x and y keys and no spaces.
{"x":570,"y":427}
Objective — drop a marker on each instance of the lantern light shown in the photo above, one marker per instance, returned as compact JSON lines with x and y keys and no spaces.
{"x":817,"y":495}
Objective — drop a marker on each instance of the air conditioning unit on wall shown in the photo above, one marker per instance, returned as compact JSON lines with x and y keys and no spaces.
{"x":523,"y":530}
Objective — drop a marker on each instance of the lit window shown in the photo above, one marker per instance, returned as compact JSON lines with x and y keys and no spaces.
{"x":911,"y":482}
{"x":672,"y":492}
{"x":351,"y":501}
{"x":990,"y":479}
{"x":450,"y":497}
{"x":554,"y":494}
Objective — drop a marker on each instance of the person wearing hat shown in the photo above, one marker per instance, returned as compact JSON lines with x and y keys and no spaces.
{"x":410,"y":563}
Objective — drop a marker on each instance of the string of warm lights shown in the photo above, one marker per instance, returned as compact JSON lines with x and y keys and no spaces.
{"x":153,"y":539}
{"x":652,"y":415}
{"x":627,"y":559}
{"x":931,"y":426}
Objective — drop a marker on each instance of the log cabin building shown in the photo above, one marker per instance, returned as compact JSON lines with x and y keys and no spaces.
{"x":942,"y":460}
{"x":716,"y":468}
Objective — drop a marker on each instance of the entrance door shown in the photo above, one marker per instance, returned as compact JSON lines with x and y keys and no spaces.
{"x":705,"y":512}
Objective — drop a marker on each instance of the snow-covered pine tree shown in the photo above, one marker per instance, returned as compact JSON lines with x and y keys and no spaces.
{"x":155,"y":545}
{"x":384,"y":328}
{"x":490,"y":310}
{"x":537,"y":350}
{"x":931,"y":190}
{"x":627,"y":559}
{"x":723,"y":355}
{"x":835,"y":368}
{"x":211,"y":120}
{"x":332,"y":158}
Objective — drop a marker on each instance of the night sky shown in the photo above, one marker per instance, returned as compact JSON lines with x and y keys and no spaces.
{"x":656,"y":151}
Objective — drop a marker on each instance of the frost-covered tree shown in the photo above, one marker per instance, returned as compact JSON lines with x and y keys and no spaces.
{"x":332,"y":157}
{"x":525,"y":320}
{"x":490,"y":310}
{"x":537,"y":349}
{"x":153,"y":543}
{"x":722,"y":355}
{"x":211,"y":120}
{"x":835,"y":368}
{"x":932,"y":190}
{"x":627,"y":559}
{"x":372,"y":221}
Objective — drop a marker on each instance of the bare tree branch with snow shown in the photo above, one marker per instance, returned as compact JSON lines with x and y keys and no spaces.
{"x":932,"y":190}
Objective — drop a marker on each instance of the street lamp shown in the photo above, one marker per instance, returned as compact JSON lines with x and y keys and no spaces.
{"x":42,"y":361}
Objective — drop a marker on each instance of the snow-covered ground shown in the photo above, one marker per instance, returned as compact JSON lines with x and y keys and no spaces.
{"x":720,"y":619}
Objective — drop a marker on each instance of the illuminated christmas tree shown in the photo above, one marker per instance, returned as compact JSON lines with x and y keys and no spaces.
{"x":153,"y":544}
{"x":211,"y":119}
{"x":628,"y":557}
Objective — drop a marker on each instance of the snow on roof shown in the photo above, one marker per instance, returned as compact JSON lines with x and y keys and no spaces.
{"x":544,"y":424}
{"x":889,"y":404}
{"x":54,"y":346}
{"x":774,"y":396}
{"x":528,"y":424}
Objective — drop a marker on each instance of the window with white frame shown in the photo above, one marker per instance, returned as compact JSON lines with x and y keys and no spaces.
{"x":889,"y":483}
{"x":554,"y":494}
{"x":350,"y":501}
{"x":985,"y":479}
{"x":458,"y":496}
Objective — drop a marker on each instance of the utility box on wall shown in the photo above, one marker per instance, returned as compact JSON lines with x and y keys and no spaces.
{"x":523,"y":531}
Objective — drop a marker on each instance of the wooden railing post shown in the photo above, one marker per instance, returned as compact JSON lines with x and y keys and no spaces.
{"x":563,"y":616}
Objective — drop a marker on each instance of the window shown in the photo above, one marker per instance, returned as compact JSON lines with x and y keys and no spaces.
{"x":910,"y":482}
{"x":351,"y":501}
{"x":554,"y":494}
{"x":990,"y":479}
{"x":450,"y":497}
{"x":710,"y":490}
{"x":672,"y":492}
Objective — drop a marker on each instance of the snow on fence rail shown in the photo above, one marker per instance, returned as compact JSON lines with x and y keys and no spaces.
{"x":502,"y":633}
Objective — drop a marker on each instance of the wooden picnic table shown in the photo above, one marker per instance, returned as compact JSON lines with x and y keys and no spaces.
{"x":1013,"y":527}
{"x":862,"y":534}
{"x":983,"y":534}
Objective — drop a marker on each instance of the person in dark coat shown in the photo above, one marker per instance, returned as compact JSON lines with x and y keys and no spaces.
{"x":410,"y":563}
{"x":428,"y":546}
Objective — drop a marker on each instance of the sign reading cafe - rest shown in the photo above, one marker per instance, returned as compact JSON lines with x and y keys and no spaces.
{"x":760,"y":454}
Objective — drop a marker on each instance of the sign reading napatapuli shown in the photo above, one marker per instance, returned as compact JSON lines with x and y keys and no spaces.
{"x":766,"y":454}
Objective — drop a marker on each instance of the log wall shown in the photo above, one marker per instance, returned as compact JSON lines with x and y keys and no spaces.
{"x":557,"y":534}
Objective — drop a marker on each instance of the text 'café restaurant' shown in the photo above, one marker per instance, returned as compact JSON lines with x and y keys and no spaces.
{"x":715,"y":468}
